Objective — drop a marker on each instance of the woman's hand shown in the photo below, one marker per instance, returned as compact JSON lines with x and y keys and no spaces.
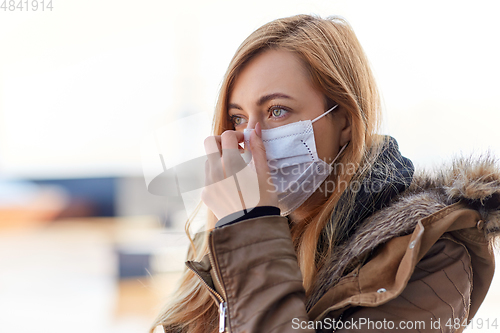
{"x":231,"y":185}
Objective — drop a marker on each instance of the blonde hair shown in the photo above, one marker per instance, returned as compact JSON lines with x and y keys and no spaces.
{"x":338,"y":68}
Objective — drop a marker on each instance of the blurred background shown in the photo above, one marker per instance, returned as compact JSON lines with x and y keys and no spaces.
{"x":83,"y":245}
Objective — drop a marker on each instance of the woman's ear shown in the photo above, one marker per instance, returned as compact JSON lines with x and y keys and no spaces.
{"x":343,"y":121}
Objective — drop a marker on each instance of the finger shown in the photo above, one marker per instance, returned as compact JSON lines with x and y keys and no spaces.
{"x":213,"y":145}
{"x":231,"y":156}
{"x":258,"y":150}
{"x":231,"y":139}
{"x":246,"y":137}
{"x":222,"y":198}
{"x":268,"y":195}
{"x":214,"y":170}
{"x":248,"y":183}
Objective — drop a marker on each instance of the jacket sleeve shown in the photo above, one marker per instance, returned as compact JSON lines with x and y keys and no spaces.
{"x":245,"y":215}
{"x":255,"y":264}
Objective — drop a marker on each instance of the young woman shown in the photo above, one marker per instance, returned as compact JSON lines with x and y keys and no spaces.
{"x":328,"y":229}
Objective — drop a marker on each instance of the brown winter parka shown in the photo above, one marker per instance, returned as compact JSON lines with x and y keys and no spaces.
{"x":424,"y":263}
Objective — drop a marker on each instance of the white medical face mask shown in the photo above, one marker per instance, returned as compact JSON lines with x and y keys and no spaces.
{"x":295,"y":168}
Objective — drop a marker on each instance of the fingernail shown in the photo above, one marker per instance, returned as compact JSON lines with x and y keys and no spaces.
{"x":257,"y":130}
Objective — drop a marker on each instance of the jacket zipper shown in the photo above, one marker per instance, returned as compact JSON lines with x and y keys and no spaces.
{"x":222,"y":305}
{"x":214,"y":292}
{"x":222,"y":317}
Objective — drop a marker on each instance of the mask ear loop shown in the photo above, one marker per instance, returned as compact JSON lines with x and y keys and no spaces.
{"x":324,"y":114}
{"x":340,"y":152}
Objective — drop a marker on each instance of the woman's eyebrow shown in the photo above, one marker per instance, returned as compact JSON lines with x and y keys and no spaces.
{"x":262,"y":100}
{"x":269,"y":97}
{"x":234,"y":106}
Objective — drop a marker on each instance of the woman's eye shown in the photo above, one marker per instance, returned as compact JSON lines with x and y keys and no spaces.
{"x":237,"y":120}
{"x":278,"y":112}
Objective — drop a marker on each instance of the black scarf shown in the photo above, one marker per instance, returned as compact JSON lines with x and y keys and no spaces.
{"x":390,"y":175}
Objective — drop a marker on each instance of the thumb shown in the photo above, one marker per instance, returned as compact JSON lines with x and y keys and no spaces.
{"x":268,"y":194}
{"x":258,"y":150}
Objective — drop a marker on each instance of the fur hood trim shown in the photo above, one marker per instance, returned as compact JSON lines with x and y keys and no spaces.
{"x":473,"y":180}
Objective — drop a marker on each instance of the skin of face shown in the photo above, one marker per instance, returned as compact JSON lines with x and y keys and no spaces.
{"x":275,"y":89}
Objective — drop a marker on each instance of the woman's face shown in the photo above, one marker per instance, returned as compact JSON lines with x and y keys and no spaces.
{"x":274,"y":89}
